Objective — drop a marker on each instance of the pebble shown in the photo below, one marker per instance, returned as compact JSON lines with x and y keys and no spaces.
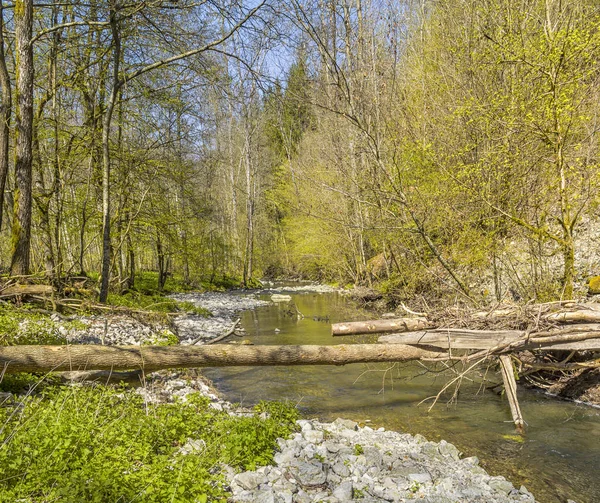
{"x":420,"y":471}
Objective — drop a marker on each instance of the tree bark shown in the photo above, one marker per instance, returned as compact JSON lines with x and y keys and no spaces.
{"x":151,"y":358}
{"x":575,"y":338}
{"x":5,"y":113}
{"x":116,"y":84}
{"x":21,"y":232}
{"x":379,"y":326}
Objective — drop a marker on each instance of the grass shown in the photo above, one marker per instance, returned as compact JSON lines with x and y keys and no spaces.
{"x":105,"y":444}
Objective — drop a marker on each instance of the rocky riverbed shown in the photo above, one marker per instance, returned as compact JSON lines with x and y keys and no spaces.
{"x":323,"y":462}
{"x":341,"y":461}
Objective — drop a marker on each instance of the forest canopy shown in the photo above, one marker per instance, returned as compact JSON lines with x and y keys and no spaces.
{"x":428,"y":148}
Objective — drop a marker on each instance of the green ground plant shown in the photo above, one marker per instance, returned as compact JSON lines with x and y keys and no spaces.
{"x":105,"y":444}
{"x":23,"y":326}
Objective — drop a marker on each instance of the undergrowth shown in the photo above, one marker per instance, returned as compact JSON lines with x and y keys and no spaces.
{"x":22,"y":326}
{"x":102,"y":444}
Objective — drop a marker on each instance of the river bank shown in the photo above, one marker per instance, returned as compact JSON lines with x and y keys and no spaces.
{"x":410,"y":468}
{"x":341,"y":461}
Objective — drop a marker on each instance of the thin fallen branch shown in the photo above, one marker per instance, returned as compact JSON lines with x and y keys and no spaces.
{"x":221,"y":337}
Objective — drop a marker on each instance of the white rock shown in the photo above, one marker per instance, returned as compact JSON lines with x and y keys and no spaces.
{"x":343,"y":491}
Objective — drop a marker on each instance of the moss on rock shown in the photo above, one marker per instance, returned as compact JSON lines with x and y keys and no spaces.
{"x":594,"y":285}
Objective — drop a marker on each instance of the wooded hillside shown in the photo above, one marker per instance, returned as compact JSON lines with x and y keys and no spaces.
{"x":433,"y":148}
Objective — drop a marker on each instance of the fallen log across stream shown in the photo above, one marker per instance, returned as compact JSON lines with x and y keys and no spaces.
{"x":576,"y":338}
{"x":151,"y":358}
{"x":553,"y":328}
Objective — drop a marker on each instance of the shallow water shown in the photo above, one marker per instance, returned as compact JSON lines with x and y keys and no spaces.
{"x":559,"y":457}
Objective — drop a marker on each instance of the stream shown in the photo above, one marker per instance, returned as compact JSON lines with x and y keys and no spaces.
{"x":557,"y":460}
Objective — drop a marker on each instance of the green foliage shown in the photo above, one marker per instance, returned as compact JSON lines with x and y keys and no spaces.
{"x":358,"y":449}
{"x":24,"y":383}
{"x":21,"y":326}
{"x":163,"y":338}
{"x":104,"y":444}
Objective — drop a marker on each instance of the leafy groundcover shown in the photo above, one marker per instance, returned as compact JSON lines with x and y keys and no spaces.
{"x":100,"y":444}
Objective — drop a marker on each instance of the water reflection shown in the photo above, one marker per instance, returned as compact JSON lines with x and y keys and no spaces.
{"x":558,"y":459}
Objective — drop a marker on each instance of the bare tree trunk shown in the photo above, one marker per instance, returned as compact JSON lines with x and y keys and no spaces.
{"x":248,"y":263}
{"x":151,"y":358}
{"x":5,"y":113}
{"x":116,"y":84}
{"x":21,"y":231}
{"x":162,"y":263}
{"x":130,"y":263}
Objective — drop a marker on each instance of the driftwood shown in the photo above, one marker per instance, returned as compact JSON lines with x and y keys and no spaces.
{"x":558,"y":311}
{"x":510,"y":388}
{"x":223,"y":336}
{"x":151,"y":358}
{"x":587,"y":316}
{"x":554,"y":326}
{"x":579,"y":338}
{"x":379,"y":326}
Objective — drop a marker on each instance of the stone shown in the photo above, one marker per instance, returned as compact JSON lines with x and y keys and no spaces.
{"x":285,"y":457}
{"x":594,"y":286}
{"x":420,"y":478}
{"x":523,"y":490}
{"x":449,"y":450}
{"x":313,"y":436}
{"x":332,"y":446}
{"x":284,"y":496}
{"x":471,"y":461}
{"x":373,"y":457}
{"x":249,"y":480}
{"x":305,"y":425}
{"x":245,"y":496}
{"x":341,"y":469}
{"x":343,"y":491}
{"x":309,"y":474}
{"x":264,"y":496}
{"x":501,"y":485}
{"x":302,"y":497}
{"x":345,"y":424}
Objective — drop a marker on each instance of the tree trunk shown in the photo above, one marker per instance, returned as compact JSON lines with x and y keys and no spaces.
{"x":130,"y":263}
{"x":106,"y":124}
{"x":162,"y":263}
{"x":569,"y":268}
{"x":510,"y":388}
{"x":5,"y":113}
{"x":379,"y":326}
{"x":21,"y":231}
{"x":151,"y":358}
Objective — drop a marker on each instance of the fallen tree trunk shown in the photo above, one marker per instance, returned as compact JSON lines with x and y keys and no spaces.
{"x":151,"y":358}
{"x":379,"y":326}
{"x":455,"y":338}
{"x":16,"y":290}
{"x":579,"y":338}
